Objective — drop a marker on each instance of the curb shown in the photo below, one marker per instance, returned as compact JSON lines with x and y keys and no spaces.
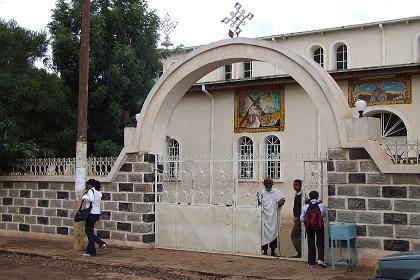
{"x":25,"y":253}
{"x":108,"y":263}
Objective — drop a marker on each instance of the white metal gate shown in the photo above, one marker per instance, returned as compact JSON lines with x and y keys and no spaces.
{"x":205,"y":205}
{"x":315,"y":179}
{"x":202,"y":206}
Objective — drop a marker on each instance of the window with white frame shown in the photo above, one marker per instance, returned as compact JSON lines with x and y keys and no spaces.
{"x":319,"y":56}
{"x":247,"y":69}
{"x":341,"y":57}
{"x":173,"y":158}
{"x":245,"y":158}
{"x":272,"y":157}
{"x":228,"y":72}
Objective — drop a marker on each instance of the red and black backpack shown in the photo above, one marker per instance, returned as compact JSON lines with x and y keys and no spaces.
{"x":313,"y":217}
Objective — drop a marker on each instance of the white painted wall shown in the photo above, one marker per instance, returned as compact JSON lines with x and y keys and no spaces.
{"x":409,"y":113}
{"x":399,"y":42}
{"x":191,"y":119}
{"x":365,"y":47}
{"x":190,"y":125}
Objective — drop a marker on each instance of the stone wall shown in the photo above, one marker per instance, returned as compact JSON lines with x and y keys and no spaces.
{"x":47,"y":207}
{"x":37,"y":207}
{"x":385,"y":207}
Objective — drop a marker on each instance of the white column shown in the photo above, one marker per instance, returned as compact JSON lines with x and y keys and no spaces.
{"x":239,"y":73}
{"x":220,"y":73}
{"x":383,"y":48}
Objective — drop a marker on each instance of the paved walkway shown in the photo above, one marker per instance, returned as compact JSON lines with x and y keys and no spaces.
{"x":215,"y":265}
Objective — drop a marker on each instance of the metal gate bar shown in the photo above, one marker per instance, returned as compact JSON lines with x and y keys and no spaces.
{"x":315,"y":178}
{"x":209,"y":188}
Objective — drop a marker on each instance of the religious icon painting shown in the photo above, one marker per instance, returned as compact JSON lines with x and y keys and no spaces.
{"x":259,"y":109}
{"x":380,"y":91}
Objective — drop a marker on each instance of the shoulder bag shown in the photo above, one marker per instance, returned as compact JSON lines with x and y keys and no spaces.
{"x":82,"y":214}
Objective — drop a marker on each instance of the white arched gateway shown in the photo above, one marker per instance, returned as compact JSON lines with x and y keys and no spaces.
{"x":219,"y":222}
{"x":340,"y":128}
{"x":175,"y":82}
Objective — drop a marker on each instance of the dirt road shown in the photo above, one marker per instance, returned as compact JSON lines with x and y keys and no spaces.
{"x":22,"y":267}
{"x":26,"y":258}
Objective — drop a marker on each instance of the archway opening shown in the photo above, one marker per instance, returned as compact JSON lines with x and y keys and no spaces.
{"x":394,"y":135}
{"x":204,"y":181}
{"x":175,"y":82}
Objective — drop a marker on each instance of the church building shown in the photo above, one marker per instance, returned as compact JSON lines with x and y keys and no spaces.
{"x":256,"y":115}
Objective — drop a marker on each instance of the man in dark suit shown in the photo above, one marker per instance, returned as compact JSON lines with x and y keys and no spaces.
{"x":296,"y":235}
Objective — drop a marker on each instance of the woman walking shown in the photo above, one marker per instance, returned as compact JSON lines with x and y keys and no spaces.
{"x":93,"y":200}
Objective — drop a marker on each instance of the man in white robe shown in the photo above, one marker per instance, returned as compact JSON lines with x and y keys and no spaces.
{"x":271,"y":201}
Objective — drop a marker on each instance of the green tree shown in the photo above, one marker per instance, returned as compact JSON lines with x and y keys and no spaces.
{"x":35,"y":118}
{"x":124,"y":62}
{"x":20,"y":47}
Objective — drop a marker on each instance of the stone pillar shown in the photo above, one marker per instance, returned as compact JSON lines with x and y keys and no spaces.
{"x":128,"y":213}
{"x":385,"y":207}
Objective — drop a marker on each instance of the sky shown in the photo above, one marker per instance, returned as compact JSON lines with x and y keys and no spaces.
{"x":199,"y":20}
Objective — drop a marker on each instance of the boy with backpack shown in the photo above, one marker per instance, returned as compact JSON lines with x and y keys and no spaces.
{"x":312,"y":215}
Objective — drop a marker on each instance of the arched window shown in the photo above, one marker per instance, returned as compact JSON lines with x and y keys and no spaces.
{"x":173,"y":158}
{"x":392,"y":127}
{"x":318,"y":56}
{"x":394,"y":137}
{"x":245,"y":158}
{"x":247,"y":69}
{"x":341,"y":57}
{"x":272,"y":157}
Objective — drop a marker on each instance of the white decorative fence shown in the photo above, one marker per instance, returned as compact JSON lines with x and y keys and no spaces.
{"x":403,"y":152}
{"x":97,"y":166}
{"x":221,"y":180}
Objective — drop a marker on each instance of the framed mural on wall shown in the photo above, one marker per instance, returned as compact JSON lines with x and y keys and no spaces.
{"x":385,"y":91}
{"x":259,"y":109}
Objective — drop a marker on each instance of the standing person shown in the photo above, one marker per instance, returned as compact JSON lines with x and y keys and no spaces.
{"x":313,"y":215}
{"x":296,"y":234}
{"x":93,"y":199}
{"x":271,"y":201}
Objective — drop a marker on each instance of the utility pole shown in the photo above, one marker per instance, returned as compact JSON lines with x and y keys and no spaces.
{"x":81,"y":144}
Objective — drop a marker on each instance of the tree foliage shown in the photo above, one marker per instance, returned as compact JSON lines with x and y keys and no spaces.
{"x":20,"y":47}
{"x":124,"y":62}
{"x":35,"y":118}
